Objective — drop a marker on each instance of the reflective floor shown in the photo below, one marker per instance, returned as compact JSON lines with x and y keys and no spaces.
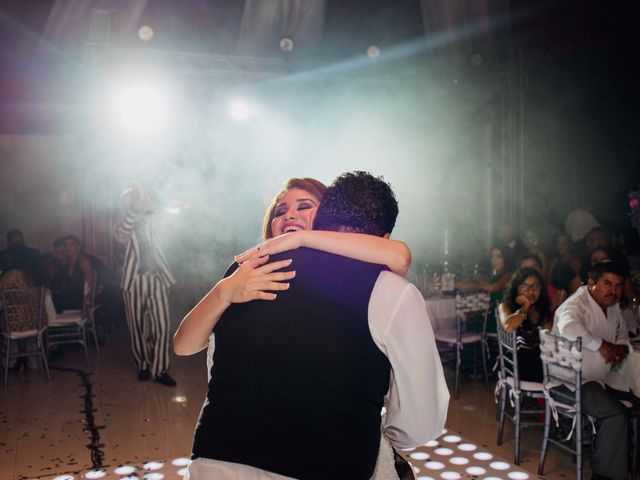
{"x":101,"y":422}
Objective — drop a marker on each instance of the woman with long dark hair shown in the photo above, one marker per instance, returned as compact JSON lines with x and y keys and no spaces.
{"x":524,"y":308}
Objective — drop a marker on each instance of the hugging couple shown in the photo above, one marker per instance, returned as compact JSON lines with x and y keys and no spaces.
{"x":316,"y":333}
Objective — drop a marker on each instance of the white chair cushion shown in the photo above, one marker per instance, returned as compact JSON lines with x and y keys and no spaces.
{"x":68,"y":317}
{"x":528,"y":386}
{"x":471,"y":337}
{"x":23,"y":334}
{"x":448,"y":335}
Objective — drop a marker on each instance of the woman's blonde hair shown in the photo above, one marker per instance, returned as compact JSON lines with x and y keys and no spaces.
{"x":311,"y":185}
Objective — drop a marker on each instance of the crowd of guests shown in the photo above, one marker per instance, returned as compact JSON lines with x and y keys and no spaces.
{"x":563,"y":269}
{"x":68,"y":272}
{"x":585,"y":287}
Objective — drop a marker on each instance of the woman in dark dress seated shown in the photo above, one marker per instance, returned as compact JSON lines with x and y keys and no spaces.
{"x":525,"y":308}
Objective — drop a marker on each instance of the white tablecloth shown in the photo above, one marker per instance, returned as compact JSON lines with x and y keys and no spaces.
{"x":442,"y":312}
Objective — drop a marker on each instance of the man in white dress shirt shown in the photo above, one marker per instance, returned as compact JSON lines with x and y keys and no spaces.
{"x":593,"y":314}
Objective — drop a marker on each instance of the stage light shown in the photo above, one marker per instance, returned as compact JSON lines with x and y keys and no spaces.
{"x":286,"y":44}
{"x":145,"y":33}
{"x":141,"y":107}
{"x":373,"y":51}
{"x":240,"y":110}
{"x":476,"y":59}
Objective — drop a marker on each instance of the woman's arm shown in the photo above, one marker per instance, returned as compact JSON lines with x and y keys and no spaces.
{"x":359,"y":246}
{"x":251,"y":281}
{"x":498,"y":285}
{"x":512,"y":320}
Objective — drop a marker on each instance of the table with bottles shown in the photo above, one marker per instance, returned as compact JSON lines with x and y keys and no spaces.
{"x":444,"y":302}
{"x":444,"y":309}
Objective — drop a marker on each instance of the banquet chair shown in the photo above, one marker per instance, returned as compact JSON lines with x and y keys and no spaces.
{"x":71,"y":326}
{"x":23,"y":321}
{"x":456,"y":339}
{"x":562,"y":365}
{"x":516,"y":391}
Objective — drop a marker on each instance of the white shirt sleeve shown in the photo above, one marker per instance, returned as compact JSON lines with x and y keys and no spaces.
{"x":418,"y":398}
{"x":124,"y":230}
{"x":569,"y":322}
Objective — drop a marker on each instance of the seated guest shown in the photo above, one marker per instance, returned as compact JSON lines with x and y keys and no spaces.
{"x":79,"y":273}
{"x":502,"y":268}
{"x":56,"y":265}
{"x":512,"y":244}
{"x":565,"y":281}
{"x":562,"y":252}
{"x":580,"y":220}
{"x":599,"y":254}
{"x":16,"y":273}
{"x":31,"y":257}
{"x":597,"y":237}
{"x":18,"y":264}
{"x":531,"y":245}
{"x":556,"y":297}
{"x":525,"y":308}
{"x":593,"y":314}
{"x":108,"y":296}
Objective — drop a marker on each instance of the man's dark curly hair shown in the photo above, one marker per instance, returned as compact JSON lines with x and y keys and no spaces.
{"x":358,"y":202}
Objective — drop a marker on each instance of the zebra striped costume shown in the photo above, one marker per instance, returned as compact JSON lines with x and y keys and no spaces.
{"x":145,"y":281}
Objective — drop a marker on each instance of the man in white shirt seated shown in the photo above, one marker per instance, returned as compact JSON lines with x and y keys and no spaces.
{"x":593,"y":314}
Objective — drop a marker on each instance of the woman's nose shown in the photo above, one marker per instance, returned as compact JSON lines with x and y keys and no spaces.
{"x":290,"y":214}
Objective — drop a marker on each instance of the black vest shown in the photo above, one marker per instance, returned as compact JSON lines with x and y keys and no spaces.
{"x":298,"y":383}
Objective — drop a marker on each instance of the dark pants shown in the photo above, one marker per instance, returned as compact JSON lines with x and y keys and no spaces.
{"x":610,"y":444}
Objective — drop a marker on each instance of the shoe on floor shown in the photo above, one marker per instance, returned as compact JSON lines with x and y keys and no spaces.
{"x":144,"y":375}
{"x":165,"y":379}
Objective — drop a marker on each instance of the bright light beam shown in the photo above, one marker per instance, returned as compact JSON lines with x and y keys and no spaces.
{"x":240,"y":110}
{"x":141,"y":107}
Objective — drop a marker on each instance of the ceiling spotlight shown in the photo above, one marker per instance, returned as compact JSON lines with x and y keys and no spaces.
{"x":476,"y":59}
{"x":373,"y":51}
{"x":145,"y":33}
{"x":286,"y":44}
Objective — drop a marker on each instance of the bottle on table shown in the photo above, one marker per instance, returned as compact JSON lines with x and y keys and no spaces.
{"x":448,"y":278}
